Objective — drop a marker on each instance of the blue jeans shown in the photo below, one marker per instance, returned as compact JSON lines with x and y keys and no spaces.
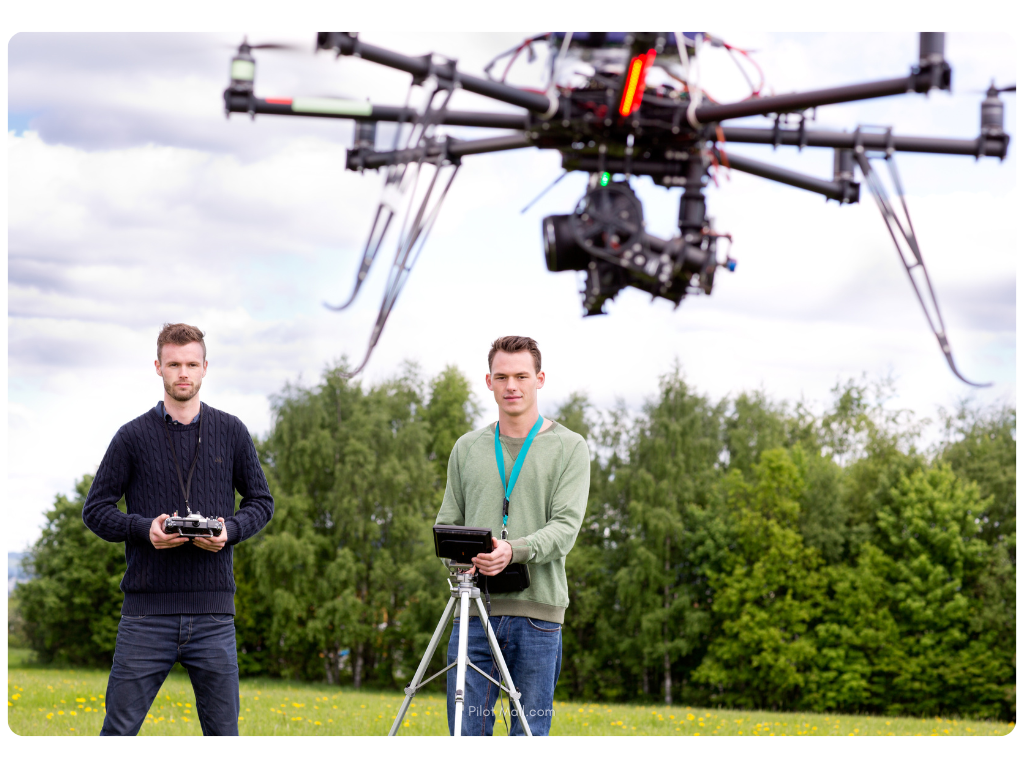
{"x":148,"y":646}
{"x":533,"y":653}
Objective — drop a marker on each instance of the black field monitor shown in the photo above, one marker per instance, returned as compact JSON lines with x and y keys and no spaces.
{"x":460,"y":543}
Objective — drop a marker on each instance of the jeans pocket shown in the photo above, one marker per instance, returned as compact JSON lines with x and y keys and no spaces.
{"x":222,"y":618}
{"x":540,"y":625}
{"x":125,"y":616}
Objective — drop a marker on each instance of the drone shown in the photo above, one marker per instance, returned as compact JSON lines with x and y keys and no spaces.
{"x":636,"y":109}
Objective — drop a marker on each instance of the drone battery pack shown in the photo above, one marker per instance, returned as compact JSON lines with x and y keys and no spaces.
{"x":460,"y":543}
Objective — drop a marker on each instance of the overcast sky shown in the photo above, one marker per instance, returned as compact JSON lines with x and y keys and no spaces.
{"x":134,"y":202}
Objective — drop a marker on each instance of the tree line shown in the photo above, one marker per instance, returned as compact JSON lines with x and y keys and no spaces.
{"x":744,"y":553}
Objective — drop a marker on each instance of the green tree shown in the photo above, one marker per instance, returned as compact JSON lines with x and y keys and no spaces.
{"x":451,"y":413}
{"x":767,"y":595}
{"x":72,"y":606}
{"x":919,"y":625}
{"x":981,"y":445}
{"x":669,"y":480}
{"x":346,"y":580}
{"x":588,"y":671}
{"x":753,"y":424}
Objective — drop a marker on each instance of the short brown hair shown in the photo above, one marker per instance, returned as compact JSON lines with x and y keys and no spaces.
{"x":512,"y":344}
{"x":180,"y":334}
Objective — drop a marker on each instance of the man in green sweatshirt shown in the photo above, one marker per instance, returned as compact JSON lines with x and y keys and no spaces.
{"x":545,"y":507}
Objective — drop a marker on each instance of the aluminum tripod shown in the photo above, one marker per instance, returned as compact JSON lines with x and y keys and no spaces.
{"x":463,"y":591}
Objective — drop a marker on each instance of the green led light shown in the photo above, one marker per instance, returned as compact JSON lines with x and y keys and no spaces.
{"x":605,"y":178}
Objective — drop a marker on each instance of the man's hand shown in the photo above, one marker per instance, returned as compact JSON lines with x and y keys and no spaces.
{"x":493,"y":563}
{"x":213,"y":543}
{"x":163,"y":540}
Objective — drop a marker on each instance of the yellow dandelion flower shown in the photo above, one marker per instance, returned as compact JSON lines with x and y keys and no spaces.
{"x":317,"y":723}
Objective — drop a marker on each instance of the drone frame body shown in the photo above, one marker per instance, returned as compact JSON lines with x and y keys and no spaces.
{"x":612,"y":126}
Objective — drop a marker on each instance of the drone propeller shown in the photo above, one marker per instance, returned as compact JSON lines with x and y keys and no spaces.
{"x":992,"y":90}
{"x":247,"y":46}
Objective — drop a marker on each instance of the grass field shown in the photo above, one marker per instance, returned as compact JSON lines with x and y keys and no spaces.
{"x":69,"y":702}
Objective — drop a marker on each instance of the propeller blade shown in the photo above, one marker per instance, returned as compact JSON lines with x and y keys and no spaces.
{"x":992,"y":89}
{"x":278,"y":47}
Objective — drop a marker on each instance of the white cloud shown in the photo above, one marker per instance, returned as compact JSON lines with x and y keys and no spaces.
{"x":167,"y":212}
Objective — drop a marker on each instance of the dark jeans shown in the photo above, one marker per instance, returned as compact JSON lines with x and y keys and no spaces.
{"x":148,"y":646}
{"x":533,"y":653}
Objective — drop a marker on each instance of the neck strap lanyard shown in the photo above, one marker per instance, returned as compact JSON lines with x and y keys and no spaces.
{"x":499,"y":456}
{"x":185,"y":486}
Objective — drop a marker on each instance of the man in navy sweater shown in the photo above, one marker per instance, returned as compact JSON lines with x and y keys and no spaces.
{"x":179,"y":457}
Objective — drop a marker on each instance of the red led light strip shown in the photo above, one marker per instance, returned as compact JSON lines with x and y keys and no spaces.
{"x":635,"y":77}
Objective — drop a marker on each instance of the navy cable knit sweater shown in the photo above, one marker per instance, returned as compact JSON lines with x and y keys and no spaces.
{"x":139,"y":466}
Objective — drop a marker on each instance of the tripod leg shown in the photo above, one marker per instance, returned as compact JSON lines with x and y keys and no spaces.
{"x":496,"y":649}
{"x":460,"y":669}
{"x":422,"y":669}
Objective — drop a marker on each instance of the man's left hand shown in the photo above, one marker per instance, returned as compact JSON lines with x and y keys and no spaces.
{"x":213,"y":543}
{"x":494,"y":562}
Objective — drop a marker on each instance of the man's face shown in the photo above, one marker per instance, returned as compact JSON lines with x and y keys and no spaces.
{"x":514,"y":382}
{"x":182,"y":368}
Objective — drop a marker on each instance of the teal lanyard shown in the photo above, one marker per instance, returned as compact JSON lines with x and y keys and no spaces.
{"x":499,"y":455}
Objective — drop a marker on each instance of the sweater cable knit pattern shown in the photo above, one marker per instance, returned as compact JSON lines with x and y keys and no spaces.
{"x":138,"y":465}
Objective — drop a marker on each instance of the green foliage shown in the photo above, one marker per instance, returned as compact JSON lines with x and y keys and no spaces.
{"x":344,"y":581}
{"x":71,"y":606}
{"x":747,"y":553}
{"x":981,"y":445}
{"x":768,"y":593}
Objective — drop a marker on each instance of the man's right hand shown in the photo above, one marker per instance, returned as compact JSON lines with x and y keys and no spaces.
{"x":163,"y":540}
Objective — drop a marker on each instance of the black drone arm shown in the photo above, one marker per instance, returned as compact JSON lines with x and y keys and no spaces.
{"x":451,"y":149}
{"x":920,"y":81}
{"x":672,"y":173}
{"x":349,"y":109}
{"x":990,"y":146}
{"x":422,"y":67}
{"x":842,"y":190}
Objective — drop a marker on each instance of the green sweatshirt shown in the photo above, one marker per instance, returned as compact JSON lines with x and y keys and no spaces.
{"x":545,"y":511}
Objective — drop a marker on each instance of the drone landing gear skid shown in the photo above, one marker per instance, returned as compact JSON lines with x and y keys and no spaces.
{"x":898,"y":231}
